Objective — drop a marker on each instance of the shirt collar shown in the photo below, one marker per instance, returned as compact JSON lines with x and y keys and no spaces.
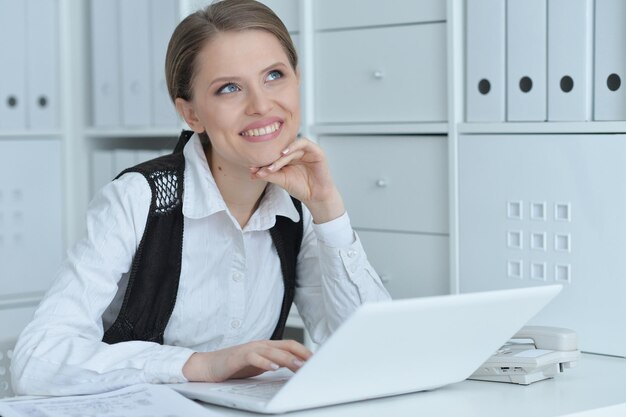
{"x":202,"y":198}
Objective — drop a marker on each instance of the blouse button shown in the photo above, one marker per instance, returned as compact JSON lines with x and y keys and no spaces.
{"x":237,"y":276}
{"x":351,"y":253}
{"x":235,"y":324}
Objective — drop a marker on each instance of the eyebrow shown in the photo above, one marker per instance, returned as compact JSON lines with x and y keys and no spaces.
{"x":226,"y":79}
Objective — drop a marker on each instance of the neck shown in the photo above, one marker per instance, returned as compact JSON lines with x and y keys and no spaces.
{"x":240,"y":193}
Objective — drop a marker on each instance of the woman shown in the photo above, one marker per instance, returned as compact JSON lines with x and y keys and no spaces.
{"x":189,"y":265}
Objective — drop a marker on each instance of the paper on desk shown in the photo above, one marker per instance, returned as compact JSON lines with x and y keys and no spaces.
{"x":135,"y":401}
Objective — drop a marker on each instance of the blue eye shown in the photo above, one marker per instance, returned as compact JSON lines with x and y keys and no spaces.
{"x":228,"y":88}
{"x":274,"y":75}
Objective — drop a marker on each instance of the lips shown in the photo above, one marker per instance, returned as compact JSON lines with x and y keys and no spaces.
{"x":263,"y":130}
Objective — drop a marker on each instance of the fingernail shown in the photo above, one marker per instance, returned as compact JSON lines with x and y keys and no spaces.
{"x":298,"y":363}
{"x":274,"y":366}
{"x":262,"y":173}
{"x":285,"y":152}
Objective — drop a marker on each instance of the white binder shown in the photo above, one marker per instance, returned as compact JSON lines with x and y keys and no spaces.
{"x":610,"y":64}
{"x":101,"y":169}
{"x":135,"y":61}
{"x":570,"y":42}
{"x":123,"y":159}
{"x":42,"y":46}
{"x":13,"y":67}
{"x":485,"y":83}
{"x":163,"y":19}
{"x":105,"y":93}
{"x":526,"y":28}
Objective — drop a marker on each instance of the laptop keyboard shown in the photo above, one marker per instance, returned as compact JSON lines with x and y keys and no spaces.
{"x":261,"y":389}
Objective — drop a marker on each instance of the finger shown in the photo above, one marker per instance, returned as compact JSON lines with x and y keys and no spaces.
{"x":304,"y":145}
{"x":285,"y":160}
{"x":280,"y":163}
{"x":295,"y":348}
{"x":283,"y":358}
{"x":300,"y":144}
{"x":259,"y":361}
{"x":253,"y":171}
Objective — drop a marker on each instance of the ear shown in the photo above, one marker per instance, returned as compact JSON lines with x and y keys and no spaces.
{"x":188,"y":113}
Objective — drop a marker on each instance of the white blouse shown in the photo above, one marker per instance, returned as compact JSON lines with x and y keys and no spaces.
{"x":230,"y":289}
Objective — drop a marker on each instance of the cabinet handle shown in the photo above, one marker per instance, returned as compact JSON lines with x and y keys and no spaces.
{"x":378,"y":75}
{"x":381,"y":183}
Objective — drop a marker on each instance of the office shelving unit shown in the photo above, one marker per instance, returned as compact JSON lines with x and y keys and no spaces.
{"x":545,"y":200}
{"x":352,"y":94}
{"x":428,"y":275}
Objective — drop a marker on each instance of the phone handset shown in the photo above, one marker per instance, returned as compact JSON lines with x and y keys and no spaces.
{"x":550,"y":351}
{"x":551,"y":338}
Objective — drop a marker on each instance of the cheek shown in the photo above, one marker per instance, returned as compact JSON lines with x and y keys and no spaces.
{"x":220,"y":119}
{"x":292,"y":104}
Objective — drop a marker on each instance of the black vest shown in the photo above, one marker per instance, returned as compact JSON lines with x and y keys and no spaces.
{"x":155,"y":272}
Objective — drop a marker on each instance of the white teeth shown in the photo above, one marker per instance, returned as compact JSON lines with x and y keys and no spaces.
{"x":262,"y":131}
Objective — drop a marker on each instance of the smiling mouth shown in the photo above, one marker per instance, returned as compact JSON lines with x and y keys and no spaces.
{"x":271,"y":128}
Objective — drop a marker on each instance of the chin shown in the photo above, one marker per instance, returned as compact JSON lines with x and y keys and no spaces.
{"x":262,"y":162}
{"x":267,"y":156}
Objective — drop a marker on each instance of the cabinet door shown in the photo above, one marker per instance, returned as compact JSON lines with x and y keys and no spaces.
{"x":382,"y":75}
{"x":549,"y":209}
{"x":392,"y":182}
{"x":31,"y":243}
{"x":336,"y":14}
{"x":287,"y":10}
{"x":410,"y":265}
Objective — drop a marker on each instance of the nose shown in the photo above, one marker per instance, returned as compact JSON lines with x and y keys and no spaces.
{"x":259,"y":102}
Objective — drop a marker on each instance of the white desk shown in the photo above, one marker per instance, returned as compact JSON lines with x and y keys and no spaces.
{"x":597,"y":382}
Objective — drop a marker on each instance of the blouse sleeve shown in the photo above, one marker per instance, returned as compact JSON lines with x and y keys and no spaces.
{"x":334,"y":276}
{"x":61,"y":351}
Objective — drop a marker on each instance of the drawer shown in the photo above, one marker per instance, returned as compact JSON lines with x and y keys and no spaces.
{"x":392,"y":182}
{"x":31,"y":216}
{"x":13,"y":320}
{"x":410,"y":265}
{"x":287,"y":10}
{"x":381,"y":75}
{"x":336,"y":14}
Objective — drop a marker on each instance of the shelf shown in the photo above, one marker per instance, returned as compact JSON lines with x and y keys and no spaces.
{"x":129,"y":133}
{"x":381,"y":128}
{"x":21,"y":300}
{"x":542,"y":127}
{"x":35,"y":134}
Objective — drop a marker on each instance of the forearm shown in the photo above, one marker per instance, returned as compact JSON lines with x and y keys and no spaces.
{"x":334,"y":274}
{"x":56,"y":363}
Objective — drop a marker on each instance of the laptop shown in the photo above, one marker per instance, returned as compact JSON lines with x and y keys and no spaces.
{"x":388,"y":348}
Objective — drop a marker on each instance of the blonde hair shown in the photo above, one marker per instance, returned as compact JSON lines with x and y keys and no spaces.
{"x":200,"y":27}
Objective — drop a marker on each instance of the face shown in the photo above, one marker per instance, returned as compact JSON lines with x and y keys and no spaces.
{"x":246,"y":97}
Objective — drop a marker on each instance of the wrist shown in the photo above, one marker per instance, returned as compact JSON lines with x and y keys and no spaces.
{"x":196,"y":367}
{"x":328,"y":209}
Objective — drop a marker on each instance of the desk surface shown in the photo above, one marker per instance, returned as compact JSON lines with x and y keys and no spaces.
{"x":596,"y":382}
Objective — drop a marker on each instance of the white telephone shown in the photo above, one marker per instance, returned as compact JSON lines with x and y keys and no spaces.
{"x":549,"y":352}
